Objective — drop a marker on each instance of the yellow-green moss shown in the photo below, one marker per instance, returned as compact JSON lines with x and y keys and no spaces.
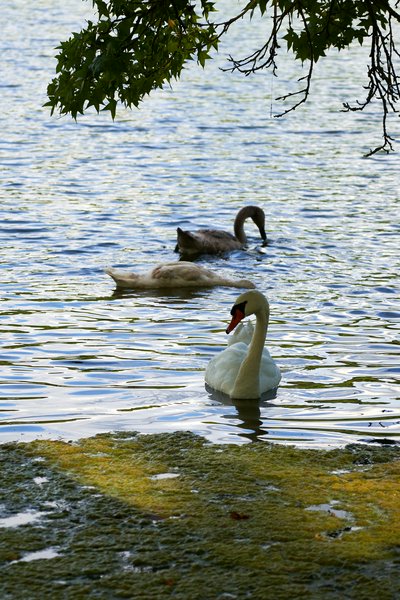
{"x":259,"y":519}
{"x":272,"y":485}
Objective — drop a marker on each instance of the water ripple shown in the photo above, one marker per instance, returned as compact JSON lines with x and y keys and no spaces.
{"x":77,"y":358}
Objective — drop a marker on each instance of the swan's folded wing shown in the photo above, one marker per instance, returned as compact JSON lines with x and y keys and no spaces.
{"x":243,"y":333}
{"x":183,"y":270}
{"x":222,"y":370}
{"x":210,"y":241}
{"x":216,"y":234}
{"x":270,"y":375}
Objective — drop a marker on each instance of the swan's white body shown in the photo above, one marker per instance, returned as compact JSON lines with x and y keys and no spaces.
{"x":214,"y":241}
{"x":175,"y":275}
{"x":243,"y":333}
{"x":245,"y":370}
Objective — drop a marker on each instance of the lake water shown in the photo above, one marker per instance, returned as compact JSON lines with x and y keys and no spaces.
{"x":77,"y":359}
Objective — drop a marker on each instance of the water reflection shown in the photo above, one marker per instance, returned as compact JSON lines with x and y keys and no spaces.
{"x":176,"y":295}
{"x":249,"y":420}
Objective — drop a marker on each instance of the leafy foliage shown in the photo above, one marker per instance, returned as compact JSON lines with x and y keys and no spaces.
{"x":137,"y":46}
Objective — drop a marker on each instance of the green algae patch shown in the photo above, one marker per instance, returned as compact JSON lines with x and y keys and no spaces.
{"x":171,"y":515}
{"x":117,"y":468}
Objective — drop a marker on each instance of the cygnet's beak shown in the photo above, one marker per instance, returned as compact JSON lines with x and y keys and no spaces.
{"x":264,"y":236}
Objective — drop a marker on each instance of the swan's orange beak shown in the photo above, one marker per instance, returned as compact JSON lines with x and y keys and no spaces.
{"x":238,"y":315}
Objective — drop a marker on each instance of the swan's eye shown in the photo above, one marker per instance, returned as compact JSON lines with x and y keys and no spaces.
{"x":238,"y":307}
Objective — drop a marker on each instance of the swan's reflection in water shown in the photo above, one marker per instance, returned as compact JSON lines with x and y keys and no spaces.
{"x":178,"y":293}
{"x":248,"y":412}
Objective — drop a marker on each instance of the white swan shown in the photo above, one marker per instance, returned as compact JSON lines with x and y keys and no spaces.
{"x":242,"y":333}
{"x":245,"y":371}
{"x":214,"y":241}
{"x":174,"y":275}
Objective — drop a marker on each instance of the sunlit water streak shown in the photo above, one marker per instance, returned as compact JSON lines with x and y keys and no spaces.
{"x":77,"y":359}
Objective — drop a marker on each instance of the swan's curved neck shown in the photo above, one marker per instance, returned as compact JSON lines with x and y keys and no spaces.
{"x":248,"y":212}
{"x":247,"y":383}
{"x":238,"y":226}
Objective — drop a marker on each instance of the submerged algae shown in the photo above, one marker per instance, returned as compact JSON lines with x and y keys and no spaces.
{"x":257,"y":521}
